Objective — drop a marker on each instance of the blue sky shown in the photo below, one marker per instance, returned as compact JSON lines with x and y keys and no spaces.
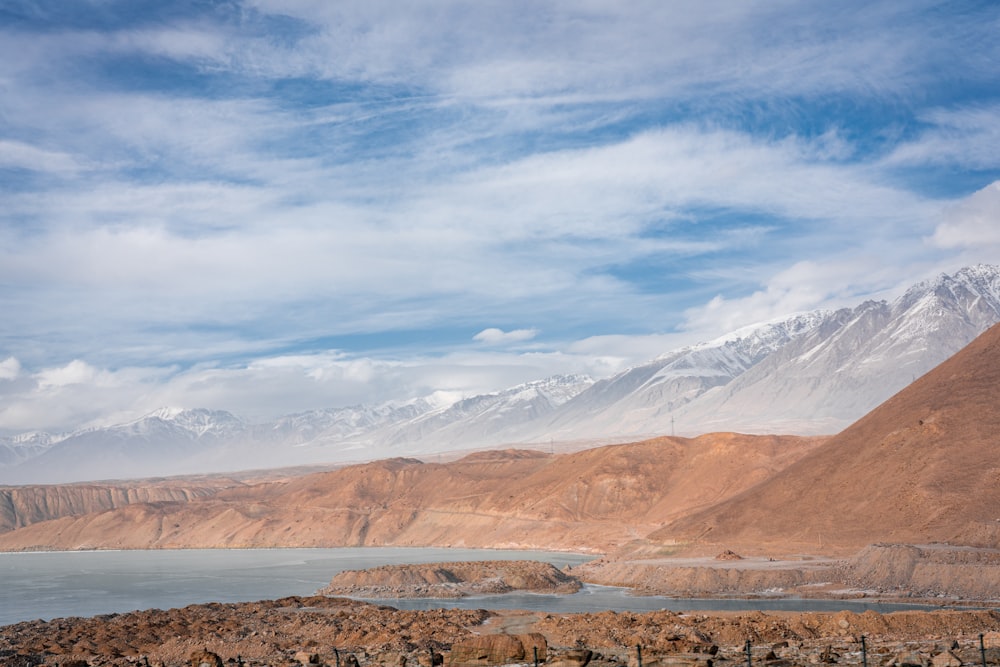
{"x":272,"y":206}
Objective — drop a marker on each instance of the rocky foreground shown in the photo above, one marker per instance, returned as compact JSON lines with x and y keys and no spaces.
{"x":336,"y":631}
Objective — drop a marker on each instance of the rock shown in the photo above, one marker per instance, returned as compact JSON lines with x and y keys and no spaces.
{"x":391,"y":659}
{"x":532,"y":642}
{"x":493,"y":650}
{"x":910,"y":659}
{"x":991,"y":639}
{"x":306,"y":658}
{"x":827,"y":656}
{"x":973,"y":656}
{"x":430,"y":658}
{"x":729,"y":555}
{"x":946,"y":659}
{"x":205,"y":658}
{"x":578,"y":657}
{"x":659,"y":659}
{"x":351,"y":661}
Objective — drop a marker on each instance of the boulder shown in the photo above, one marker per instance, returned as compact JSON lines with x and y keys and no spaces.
{"x":577,"y":657}
{"x":306,"y":658}
{"x":910,"y":659}
{"x":532,"y":642}
{"x":390,"y":659}
{"x":946,"y":659}
{"x":430,"y":658}
{"x":205,"y":658}
{"x":496,"y":650}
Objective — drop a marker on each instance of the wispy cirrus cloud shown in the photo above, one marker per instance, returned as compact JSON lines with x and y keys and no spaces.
{"x":194,"y":190}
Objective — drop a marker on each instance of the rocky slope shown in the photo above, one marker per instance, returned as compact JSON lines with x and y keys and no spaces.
{"x":452,"y":580}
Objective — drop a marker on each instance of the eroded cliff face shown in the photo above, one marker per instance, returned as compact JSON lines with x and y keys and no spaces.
{"x":22,"y":506}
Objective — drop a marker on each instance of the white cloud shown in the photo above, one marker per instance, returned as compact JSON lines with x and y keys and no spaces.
{"x":804,"y":286}
{"x":973,"y":223}
{"x":536,"y":233}
{"x":20,"y":155}
{"x":74,"y":373}
{"x":967,"y":137}
{"x":10,"y":368}
{"x":493,"y":336}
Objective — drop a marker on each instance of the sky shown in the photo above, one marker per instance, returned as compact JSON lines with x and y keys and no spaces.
{"x":268,"y":207}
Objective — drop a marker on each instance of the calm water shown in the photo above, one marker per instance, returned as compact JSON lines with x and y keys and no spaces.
{"x":55,"y":584}
{"x":85,"y":583}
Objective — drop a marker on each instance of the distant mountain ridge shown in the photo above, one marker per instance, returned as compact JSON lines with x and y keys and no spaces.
{"x":806,"y":374}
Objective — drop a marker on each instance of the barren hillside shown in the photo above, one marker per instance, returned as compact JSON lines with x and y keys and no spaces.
{"x":921,"y":467}
{"x":591,"y":500}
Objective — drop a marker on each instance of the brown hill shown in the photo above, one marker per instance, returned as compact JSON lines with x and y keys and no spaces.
{"x":921,"y":467}
{"x":590,"y":500}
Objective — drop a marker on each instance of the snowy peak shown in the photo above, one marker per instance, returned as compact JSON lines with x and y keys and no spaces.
{"x":718,"y":361}
{"x":196,"y":423}
{"x":813,"y":372}
{"x":556,"y":390}
{"x":344,"y":423}
{"x":489,"y":418}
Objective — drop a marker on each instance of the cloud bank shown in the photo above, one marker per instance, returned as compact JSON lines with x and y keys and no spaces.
{"x":269,"y":206}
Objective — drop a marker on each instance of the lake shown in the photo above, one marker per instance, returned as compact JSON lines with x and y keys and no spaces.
{"x":48,"y":585}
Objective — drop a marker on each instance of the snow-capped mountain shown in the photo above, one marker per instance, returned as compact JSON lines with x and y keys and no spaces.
{"x":809,"y":373}
{"x":636,"y":399}
{"x":161,"y":443}
{"x":24,"y":446}
{"x":173,"y":441}
{"x":488,"y":417}
{"x":341,"y":424}
{"x":813,"y":373}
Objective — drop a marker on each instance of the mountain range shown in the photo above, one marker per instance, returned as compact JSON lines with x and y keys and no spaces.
{"x":808,"y":374}
{"x":920,"y":469}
